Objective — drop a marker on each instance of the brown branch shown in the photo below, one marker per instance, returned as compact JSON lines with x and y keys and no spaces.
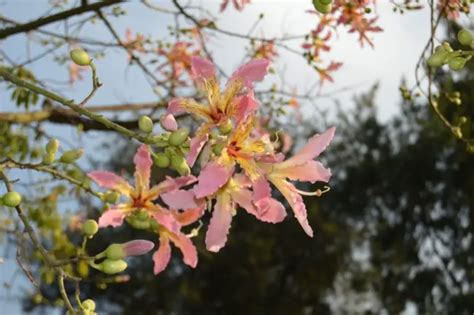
{"x":55,"y":17}
{"x":69,"y":117}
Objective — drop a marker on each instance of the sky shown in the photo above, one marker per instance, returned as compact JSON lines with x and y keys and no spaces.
{"x":394,"y":56}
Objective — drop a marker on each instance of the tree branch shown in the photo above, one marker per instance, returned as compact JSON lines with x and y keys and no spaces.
{"x":55,"y":17}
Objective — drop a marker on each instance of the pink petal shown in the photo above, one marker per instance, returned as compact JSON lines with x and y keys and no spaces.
{"x":261,"y":189}
{"x":168,"y":122}
{"x":112,"y":218}
{"x":244,"y":198}
{"x":271,"y":158}
{"x":296,"y":203}
{"x":179,"y":199}
{"x":110,"y":181}
{"x":189,"y":216}
{"x":312,"y":149}
{"x":212,"y":177}
{"x":187,"y":248}
{"x":255,"y":70}
{"x":270,"y":210}
{"x":162,"y":256}
{"x":195,"y":147}
{"x":170,"y":184}
{"x":167,"y":220}
{"x":311,"y":171}
{"x":219,"y":226}
{"x":143,"y":163}
{"x":137,"y":247}
{"x":174,"y":106}
{"x":202,"y":68}
{"x":246,"y":105}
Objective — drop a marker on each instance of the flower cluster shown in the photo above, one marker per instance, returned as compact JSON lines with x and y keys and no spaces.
{"x":353,"y":14}
{"x":238,"y":166}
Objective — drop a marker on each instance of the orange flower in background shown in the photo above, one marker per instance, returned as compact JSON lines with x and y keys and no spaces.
{"x":75,"y":72}
{"x":178,"y":57}
{"x":266,"y":50}
{"x":238,"y":4}
{"x":134,"y":42}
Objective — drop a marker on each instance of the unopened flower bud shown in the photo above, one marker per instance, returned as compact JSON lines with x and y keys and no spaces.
{"x":447,"y":47}
{"x":218,"y":147}
{"x":71,"y":156}
{"x":226,"y":127}
{"x":457,"y":132}
{"x":438,"y":58}
{"x":110,"y":266}
{"x":457,"y":63}
{"x":112,"y":197}
{"x":132,"y":248}
{"x":168,"y":122}
{"x":11,"y":199}
{"x":80,"y":57}
{"x":90,"y":227}
{"x":465,"y":37}
{"x":322,"y":7}
{"x":179,"y":163}
{"x":48,"y":158}
{"x":178,"y":137}
{"x":89,"y":305}
{"x":145,"y":124}
{"x":161,"y":160}
{"x":52,"y":146}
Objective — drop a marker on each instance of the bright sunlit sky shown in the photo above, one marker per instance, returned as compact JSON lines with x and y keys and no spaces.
{"x":394,"y":56}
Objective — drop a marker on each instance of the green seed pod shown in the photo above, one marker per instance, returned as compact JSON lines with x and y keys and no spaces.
{"x":111,"y":267}
{"x":142,"y":216}
{"x":161,"y":160}
{"x":89,"y":305}
{"x":90,"y":227}
{"x":145,"y":124}
{"x":179,"y":163}
{"x":80,"y":57}
{"x":139,"y":224}
{"x":465,"y":37}
{"x":112,"y":197}
{"x":322,"y":8}
{"x":325,"y":2}
{"x":52,"y":146}
{"x":11,"y":199}
{"x":226,"y":127}
{"x":457,"y":63}
{"x":178,"y":137}
{"x":48,"y":158}
{"x":115,"y":252}
{"x":71,"y":156}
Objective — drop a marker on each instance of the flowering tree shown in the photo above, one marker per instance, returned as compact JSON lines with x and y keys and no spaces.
{"x":223,"y":148}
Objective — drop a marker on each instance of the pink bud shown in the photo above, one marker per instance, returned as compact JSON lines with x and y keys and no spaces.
{"x":168,"y":122}
{"x":137,"y":247}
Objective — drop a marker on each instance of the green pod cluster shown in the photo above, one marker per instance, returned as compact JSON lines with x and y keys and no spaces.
{"x":111,"y":266}
{"x":80,"y":57}
{"x":145,"y":124}
{"x":465,"y":37}
{"x":178,"y":137}
{"x":71,"y":156}
{"x":90,"y":228}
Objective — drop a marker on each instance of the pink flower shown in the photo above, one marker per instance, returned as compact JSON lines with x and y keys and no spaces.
{"x":140,"y":199}
{"x":233,"y":104}
{"x":300,"y":167}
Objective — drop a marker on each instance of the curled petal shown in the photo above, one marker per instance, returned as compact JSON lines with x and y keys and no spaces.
{"x":187,"y":248}
{"x":179,"y":199}
{"x":312,"y":171}
{"x":255,"y":70}
{"x":189,"y":216}
{"x":110,"y":181}
{"x":162,"y":256}
{"x":137,"y":247}
{"x":195,"y":147}
{"x":271,"y":158}
{"x":246,"y":105}
{"x":212,"y":177}
{"x":219,"y":226}
{"x":270,"y":210}
{"x":296,"y":203}
{"x":170,"y":184}
{"x":143,"y":163}
{"x":202,"y":68}
{"x":168,"y":122}
{"x":174,"y":106}
{"x":111,"y":218}
{"x":312,"y":149}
